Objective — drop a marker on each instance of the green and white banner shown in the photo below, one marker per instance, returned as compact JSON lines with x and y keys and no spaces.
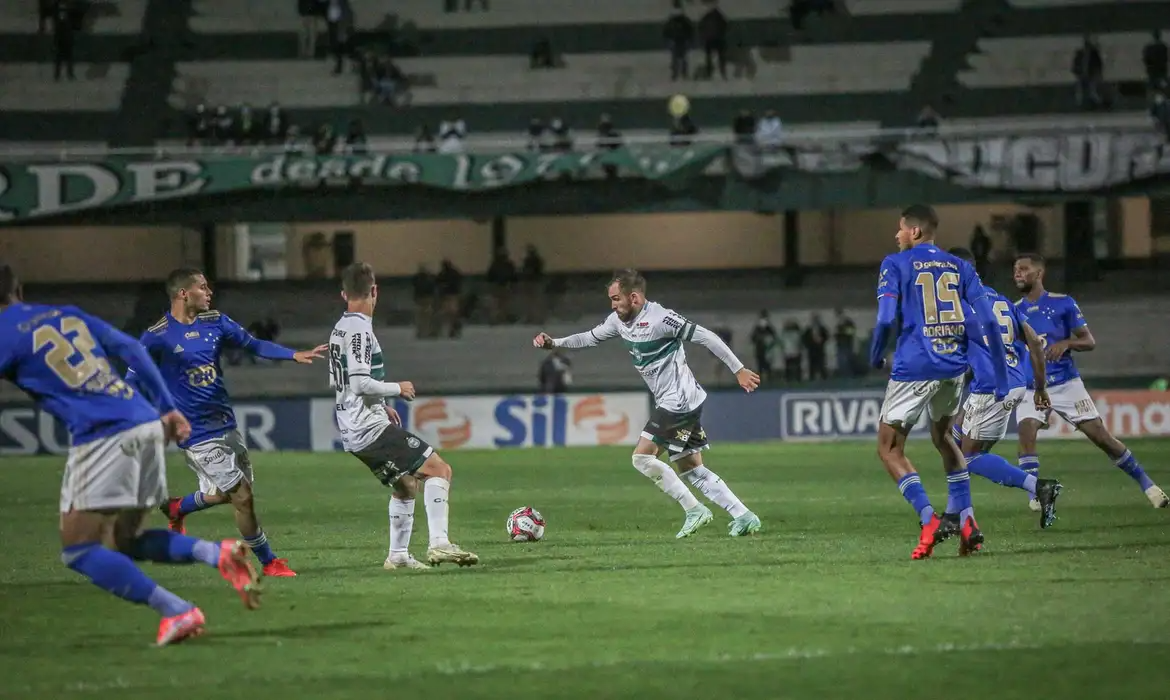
{"x":39,"y":189}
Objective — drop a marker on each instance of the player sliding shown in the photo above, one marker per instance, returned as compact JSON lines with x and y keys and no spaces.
{"x":654,"y":335}
{"x":1063,"y":330}
{"x":983,"y":421}
{"x":186,"y":344}
{"x":928,"y":286}
{"x":371,"y":431}
{"x":116,"y":469}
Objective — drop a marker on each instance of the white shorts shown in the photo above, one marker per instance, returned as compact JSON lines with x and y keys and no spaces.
{"x":126,"y":471}
{"x":220,"y":463}
{"x":1070,"y":401}
{"x":905,"y":401}
{"x":984,"y":418}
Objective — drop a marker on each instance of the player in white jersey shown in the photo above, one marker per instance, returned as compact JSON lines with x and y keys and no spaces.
{"x":372,"y":432}
{"x":654,"y":336}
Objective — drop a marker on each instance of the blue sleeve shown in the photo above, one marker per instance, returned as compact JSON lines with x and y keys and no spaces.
{"x":117,"y":343}
{"x":236,"y":335}
{"x":889,"y":280}
{"x":1073,"y":316}
{"x":887,"y":312}
{"x":993,"y":334}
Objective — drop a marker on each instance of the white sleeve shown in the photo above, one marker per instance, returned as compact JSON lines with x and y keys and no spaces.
{"x":359,"y":352}
{"x":365,"y":385}
{"x":603,"y":331}
{"x":679,"y":327}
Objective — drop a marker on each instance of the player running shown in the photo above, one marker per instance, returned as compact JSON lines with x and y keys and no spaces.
{"x":983,"y":421}
{"x":372,"y":432}
{"x":927,"y":287}
{"x":1062,"y":329}
{"x":654,"y":336}
{"x":186,"y":343}
{"x":115,"y":472}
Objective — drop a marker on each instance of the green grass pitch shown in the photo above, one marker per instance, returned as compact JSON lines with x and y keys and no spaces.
{"x":824,"y":603}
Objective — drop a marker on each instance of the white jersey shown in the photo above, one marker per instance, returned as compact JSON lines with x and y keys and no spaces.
{"x":654,"y":339}
{"x":354,"y":351}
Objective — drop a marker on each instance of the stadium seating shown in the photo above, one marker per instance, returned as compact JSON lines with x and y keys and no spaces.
{"x":30,"y":87}
{"x":104,"y":17}
{"x":1047,"y":60}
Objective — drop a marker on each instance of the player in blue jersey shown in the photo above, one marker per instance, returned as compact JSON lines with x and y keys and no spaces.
{"x":1062,"y":329}
{"x":926,"y":286}
{"x":983,"y":421}
{"x":186,"y":344}
{"x":115,"y":472}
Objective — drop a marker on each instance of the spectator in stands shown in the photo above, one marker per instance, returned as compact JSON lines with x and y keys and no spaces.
{"x":790,"y":348}
{"x":769,"y":131}
{"x":311,"y":16}
{"x":1156,"y":59}
{"x":679,"y":33}
{"x":324,"y":140}
{"x":293,"y":144}
{"x":390,"y":83}
{"x":763,"y":339}
{"x":424,"y":140}
{"x":501,"y":276}
{"x":532,"y":285}
{"x":451,"y":135}
{"x":536,"y":131}
{"x":67,"y":17}
{"x":555,"y":373}
{"x":1089,"y":71}
{"x":1160,"y":106}
{"x":223,"y":128}
{"x":356,"y":142}
{"x":928,"y":120}
{"x":449,"y":285}
{"x":541,"y":56}
{"x":276,"y":125}
{"x":713,"y":34}
{"x":339,"y":24}
{"x":562,"y":135}
{"x":45,"y":11}
{"x":981,"y":249}
{"x":199,"y":126}
{"x":682,"y":131}
{"x":608,"y":139}
{"x":743,"y":128}
{"x":424,"y":303}
{"x":845,"y":339}
{"x":247,"y":128}
{"x":816,"y":337}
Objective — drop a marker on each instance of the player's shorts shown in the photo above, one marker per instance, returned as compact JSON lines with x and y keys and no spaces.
{"x":984,"y":418}
{"x":905,"y":402}
{"x":221,"y":463}
{"x":393,"y":453}
{"x":126,"y":471}
{"x":681,"y":434}
{"x":1070,"y":401}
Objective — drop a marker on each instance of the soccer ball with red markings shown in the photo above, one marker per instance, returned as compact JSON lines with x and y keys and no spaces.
{"x":525,"y":525}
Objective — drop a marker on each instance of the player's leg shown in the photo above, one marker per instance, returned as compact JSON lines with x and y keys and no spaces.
{"x":1029,"y":423}
{"x":208,"y":496}
{"x":987,"y":423}
{"x":670,"y":432}
{"x":902,"y":407}
{"x":401,"y":510}
{"x":436,"y":474}
{"x":1071,"y":401}
{"x":224,"y":462}
{"x":690,"y":465}
{"x":942,"y":405}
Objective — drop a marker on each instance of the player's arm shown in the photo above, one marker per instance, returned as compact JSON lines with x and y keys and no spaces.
{"x":239,"y":337}
{"x":976,"y":296}
{"x":150,"y":343}
{"x":358,"y":353}
{"x":1035,"y":355}
{"x":888,"y":291}
{"x":136,"y":357}
{"x":591,"y":338}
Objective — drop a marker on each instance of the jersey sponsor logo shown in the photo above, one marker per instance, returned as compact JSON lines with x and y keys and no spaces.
{"x":355,"y":345}
{"x":451,"y":427}
{"x":178,"y":349}
{"x":674,"y":321}
{"x":412,"y":442}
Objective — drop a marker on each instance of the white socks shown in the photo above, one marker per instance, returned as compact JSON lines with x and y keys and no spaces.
{"x":435,"y":492}
{"x":401,"y":525}
{"x":714,"y":488}
{"x":663,"y":475}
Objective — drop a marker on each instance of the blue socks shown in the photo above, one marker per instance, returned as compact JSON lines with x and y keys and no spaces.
{"x":959,"y":494}
{"x":259,"y":545}
{"x":194,"y":502}
{"x":995,"y":468}
{"x":1030,"y":464}
{"x":116,"y":574}
{"x":912,"y":490}
{"x":1129,"y":464}
{"x":169,"y":547}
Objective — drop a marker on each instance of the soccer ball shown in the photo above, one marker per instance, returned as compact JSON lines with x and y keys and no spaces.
{"x":525,"y":525}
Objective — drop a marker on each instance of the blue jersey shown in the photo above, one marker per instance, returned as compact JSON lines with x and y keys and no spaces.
{"x":930,"y":286}
{"x":1054,"y":317}
{"x":60,"y":356}
{"x":979,"y":355}
{"x":188,"y":357}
